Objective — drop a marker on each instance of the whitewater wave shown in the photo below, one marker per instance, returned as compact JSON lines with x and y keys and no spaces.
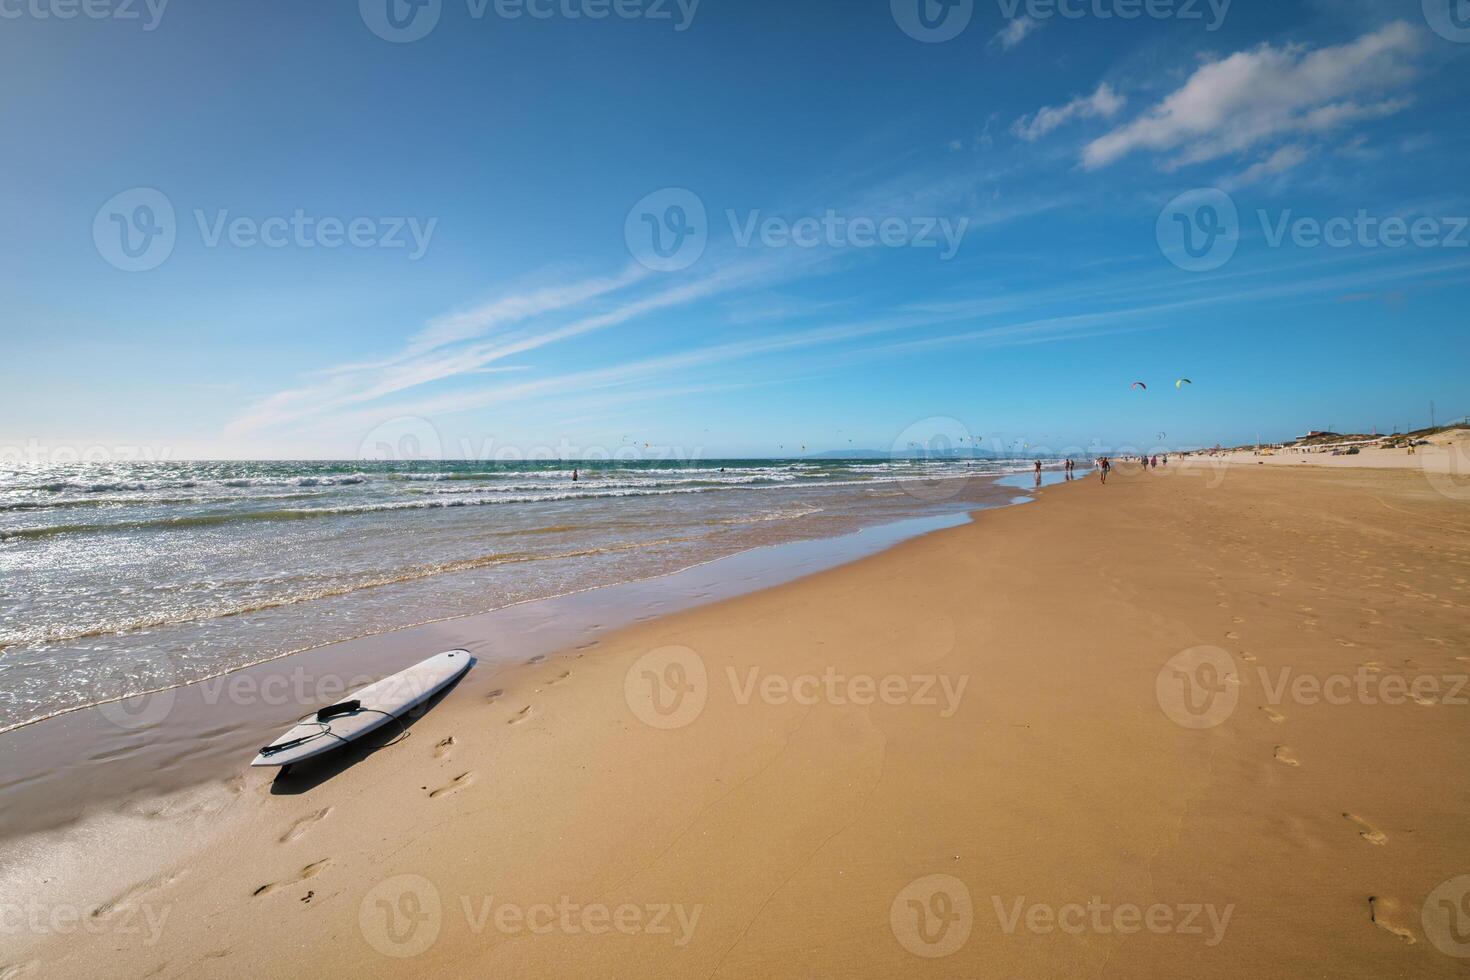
{"x":410,"y":574}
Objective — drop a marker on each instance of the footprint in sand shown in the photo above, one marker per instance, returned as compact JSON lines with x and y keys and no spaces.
{"x":1367,"y":831}
{"x":560,"y":677}
{"x":1273,"y":714}
{"x":128,"y":897}
{"x":494,"y":695}
{"x":304,"y":824}
{"x":1232,"y":635}
{"x":537,"y":659}
{"x":444,"y":745}
{"x":1381,"y":911}
{"x":1284,"y":756}
{"x":1249,"y":658}
{"x":520,"y":716}
{"x":1372,"y":667}
{"x":310,"y":871}
{"x":15,"y":970}
{"x":1345,"y":643}
{"x":453,"y":786}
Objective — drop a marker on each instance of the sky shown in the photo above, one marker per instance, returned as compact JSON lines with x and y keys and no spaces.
{"x":726,"y":228}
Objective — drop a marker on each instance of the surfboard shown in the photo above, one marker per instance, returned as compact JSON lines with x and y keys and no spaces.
{"x":365,"y":710}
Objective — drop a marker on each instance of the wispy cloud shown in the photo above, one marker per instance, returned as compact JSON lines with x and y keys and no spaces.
{"x":1287,"y":158}
{"x":424,"y":361}
{"x":1103,"y":103}
{"x":1015,"y":31}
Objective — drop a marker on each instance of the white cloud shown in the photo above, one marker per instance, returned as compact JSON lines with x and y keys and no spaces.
{"x":1284,"y":159}
{"x":1234,"y":104}
{"x":1015,"y":32}
{"x":1104,"y":102}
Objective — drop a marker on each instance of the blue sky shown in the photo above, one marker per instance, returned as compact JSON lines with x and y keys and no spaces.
{"x":1035,"y":174}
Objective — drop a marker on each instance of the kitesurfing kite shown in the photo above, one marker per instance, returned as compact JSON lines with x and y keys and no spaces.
{"x":1182,"y":382}
{"x":1139,"y":384}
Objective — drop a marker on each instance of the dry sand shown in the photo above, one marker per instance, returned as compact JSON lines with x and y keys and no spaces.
{"x":1446,"y":458}
{"x":1033,"y":750}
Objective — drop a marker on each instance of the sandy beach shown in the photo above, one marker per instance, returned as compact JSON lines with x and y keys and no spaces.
{"x":1205,"y":723}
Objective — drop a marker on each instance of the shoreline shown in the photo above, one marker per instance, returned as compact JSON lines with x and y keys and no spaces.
{"x":361,"y":579}
{"x":97,"y":754}
{"x":788,"y":830}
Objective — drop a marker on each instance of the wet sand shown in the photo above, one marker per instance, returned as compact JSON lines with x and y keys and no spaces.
{"x":1208,"y":723}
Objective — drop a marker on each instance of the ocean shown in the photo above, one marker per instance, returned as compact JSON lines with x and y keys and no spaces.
{"x":125,"y":578}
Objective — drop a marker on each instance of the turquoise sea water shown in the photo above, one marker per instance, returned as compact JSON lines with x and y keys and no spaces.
{"x":121,"y":578}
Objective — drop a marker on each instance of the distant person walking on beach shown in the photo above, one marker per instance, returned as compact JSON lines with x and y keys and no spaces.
{"x":1103,"y":466}
{"x":1038,"y":472}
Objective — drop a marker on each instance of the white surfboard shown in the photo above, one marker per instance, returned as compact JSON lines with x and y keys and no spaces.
{"x":365,"y":710}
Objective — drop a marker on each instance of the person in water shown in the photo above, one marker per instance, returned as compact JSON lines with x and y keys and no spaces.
{"x":574,"y":475}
